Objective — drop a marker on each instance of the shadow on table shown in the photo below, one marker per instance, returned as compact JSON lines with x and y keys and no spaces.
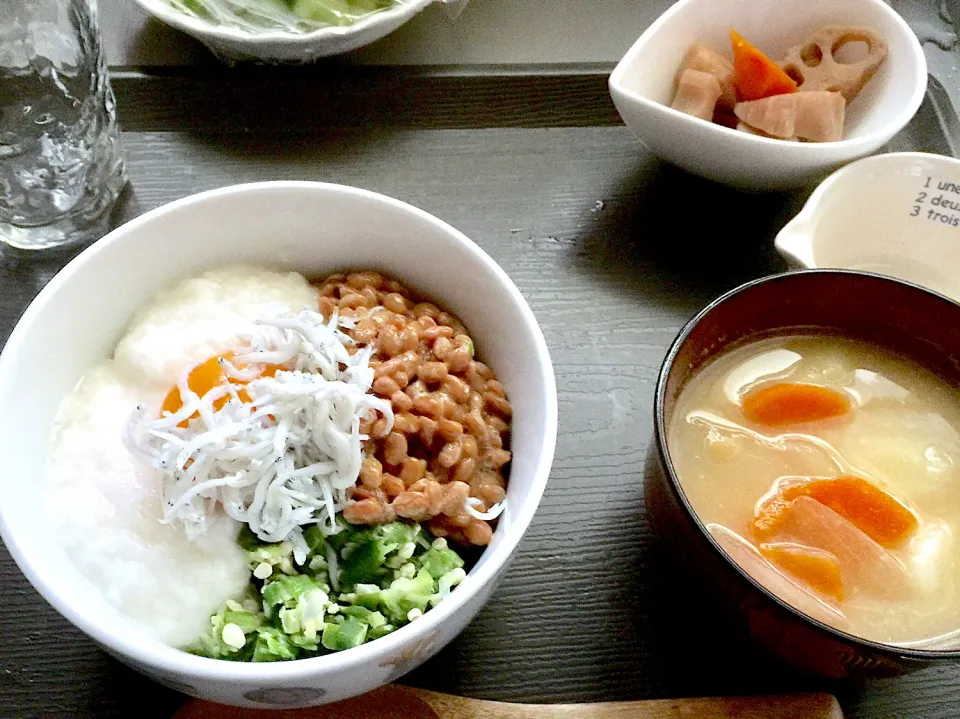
{"x":296,"y":154}
{"x":114,"y":690}
{"x":637,"y":637}
{"x":155,"y":44}
{"x":614,"y":631}
{"x":62,"y":673}
{"x":681,"y":240}
{"x":592,"y":639}
{"x":286,"y":108}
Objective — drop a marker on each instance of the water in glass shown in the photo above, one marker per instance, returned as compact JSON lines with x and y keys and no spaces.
{"x":61,"y":166}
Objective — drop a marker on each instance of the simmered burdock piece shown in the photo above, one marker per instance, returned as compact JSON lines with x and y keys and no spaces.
{"x":824,"y":62}
{"x":866,"y":565}
{"x":697,"y":94}
{"x":754,"y":564}
{"x":703,"y":59}
{"x":811,"y":116}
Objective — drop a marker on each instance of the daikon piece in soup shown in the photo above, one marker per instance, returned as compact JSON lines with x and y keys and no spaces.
{"x":829,"y":470}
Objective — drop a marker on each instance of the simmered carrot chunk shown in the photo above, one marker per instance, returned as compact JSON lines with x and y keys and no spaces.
{"x":757,"y":76}
{"x":793,"y":403}
{"x":817,"y":568}
{"x":874,"y":512}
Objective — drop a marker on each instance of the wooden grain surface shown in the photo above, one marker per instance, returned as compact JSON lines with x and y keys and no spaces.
{"x":614,"y":251}
{"x":787,"y":706}
{"x":315,"y":99}
{"x":399,"y":702}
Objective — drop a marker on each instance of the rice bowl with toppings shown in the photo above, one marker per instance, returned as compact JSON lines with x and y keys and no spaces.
{"x":78,"y":319}
{"x":248,"y":512}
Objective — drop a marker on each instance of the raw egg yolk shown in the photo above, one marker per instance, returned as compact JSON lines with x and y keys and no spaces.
{"x":206,"y":376}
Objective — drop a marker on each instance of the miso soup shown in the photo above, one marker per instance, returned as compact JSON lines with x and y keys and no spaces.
{"x":830,"y":471}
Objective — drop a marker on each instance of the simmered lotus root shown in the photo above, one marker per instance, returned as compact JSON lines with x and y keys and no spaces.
{"x":815,"y":116}
{"x":741,"y":126}
{"x":813,"y":65}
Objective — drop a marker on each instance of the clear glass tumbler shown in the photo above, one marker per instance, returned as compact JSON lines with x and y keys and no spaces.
{"x":61,"y":164}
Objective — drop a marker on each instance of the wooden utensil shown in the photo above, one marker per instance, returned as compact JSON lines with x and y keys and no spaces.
{"x":397,"y":702}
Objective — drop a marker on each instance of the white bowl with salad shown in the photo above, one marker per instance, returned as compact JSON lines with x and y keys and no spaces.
{"x":277,"y":456}
{"x":284,"y":31}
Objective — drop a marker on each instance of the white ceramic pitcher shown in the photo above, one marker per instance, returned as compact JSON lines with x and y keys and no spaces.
{"x":896,"y":214}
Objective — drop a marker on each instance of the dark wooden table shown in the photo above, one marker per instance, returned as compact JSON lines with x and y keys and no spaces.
{"x":613,"y":250}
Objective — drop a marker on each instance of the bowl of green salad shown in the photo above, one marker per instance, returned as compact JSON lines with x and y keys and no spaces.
{"x":284,"y":31}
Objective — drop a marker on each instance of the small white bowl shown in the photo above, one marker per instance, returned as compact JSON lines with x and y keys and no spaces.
{"x":274,"y":46}
{"x":77,"y":319}
{"x":896,"y":214}
{"x":643,"y":83}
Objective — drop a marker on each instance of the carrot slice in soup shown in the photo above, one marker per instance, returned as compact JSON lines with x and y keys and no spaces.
{"x":819,"y":569}
{"x":866,"y":566}
{"x":768,"y":516}
{"x":779,"y":582}
{"x":793,"y":403}
{"x":757,"y":76}
{"x":873,"y":511}
{"x":876,"y":513}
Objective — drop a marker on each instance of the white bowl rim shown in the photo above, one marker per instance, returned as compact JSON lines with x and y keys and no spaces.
{"x":899,"y":120}
{"x":816,"y":197}
{"x":168,"y":14}
{"x":156,"y":653}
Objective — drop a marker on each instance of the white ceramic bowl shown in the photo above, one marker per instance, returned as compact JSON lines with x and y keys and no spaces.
{"x":313,"y":228}
{"x":233,"y":44}
{"x":643,"y":83}
{"x":896,"y":214}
